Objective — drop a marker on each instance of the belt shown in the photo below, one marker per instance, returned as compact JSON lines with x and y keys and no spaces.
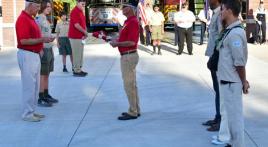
{"x":226,"y":82}
{"x":34,"y":51}
{"x":128,"y":52}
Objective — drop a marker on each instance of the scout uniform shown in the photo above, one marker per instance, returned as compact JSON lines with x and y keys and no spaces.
{"x":233,"y":52}
{"x":29,"y":63}
{"x":65,"y":47}
{"x":156,"y":20}
{"x":47,"y":60}
{"x":215,"y":27}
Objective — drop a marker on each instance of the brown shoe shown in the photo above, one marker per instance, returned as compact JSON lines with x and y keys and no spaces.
{"x":214,"y":128}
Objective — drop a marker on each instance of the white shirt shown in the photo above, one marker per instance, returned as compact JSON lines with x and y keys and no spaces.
{"x":157,"y":18}
{"x":202,"y":15}
{"x":184,"y":19}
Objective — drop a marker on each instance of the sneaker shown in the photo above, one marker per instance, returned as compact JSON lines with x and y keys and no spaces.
{"x":159,"y":53}
{"x":84,"y":72}
{"x":214,"y":137}
{"x":51,"y":99}
{"x":39,"y":115}
{"x":64,"y":70}
{"x":44,"y":102}
{"x":79,"y":74}
{"x":218,"y":142}
{"x":32,"y":119}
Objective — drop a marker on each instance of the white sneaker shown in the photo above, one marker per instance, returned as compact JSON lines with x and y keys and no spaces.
{"x":214,"y":137}
{"x":218,"y":142}
{"x":39,"y":115}
{"x":32,"y":119}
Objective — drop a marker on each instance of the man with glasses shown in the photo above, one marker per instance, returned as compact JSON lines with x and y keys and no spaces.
{"x":127,"y":45}
{"x":30,"y":44}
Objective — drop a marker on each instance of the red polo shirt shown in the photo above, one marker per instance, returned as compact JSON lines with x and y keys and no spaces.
{"x":129,"y":32}
{"x":77,"y":16}
{"x":26,"y":28}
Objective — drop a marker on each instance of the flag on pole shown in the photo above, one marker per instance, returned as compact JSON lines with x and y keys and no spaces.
{"x":141,"y":12}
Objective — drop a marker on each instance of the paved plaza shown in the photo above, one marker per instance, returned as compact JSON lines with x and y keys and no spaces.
{"x":175,"y":91}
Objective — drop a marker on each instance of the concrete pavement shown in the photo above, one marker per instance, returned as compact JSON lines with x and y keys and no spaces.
{"x":176,"y":97}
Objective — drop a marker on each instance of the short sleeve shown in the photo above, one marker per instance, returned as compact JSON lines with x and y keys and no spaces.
{"x":22,"y":30}
{"x":162,"y":17}
{"x":238,"y":49}
{"x":134,"y":28}
{"x":57,"y":30}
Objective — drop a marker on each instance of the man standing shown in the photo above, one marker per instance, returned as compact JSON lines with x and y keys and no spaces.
{"x":127,"y":46}
{"x":261,"y":15}
{"x":204,"y":16}
{"x":215,"y":28}
{"x":148,"y":12}
{"x":231,"y":70}
{"x":157,"y":26}
{"x":77,"y":33}
{"x":184,"y":20}
{"x":30,"y":43}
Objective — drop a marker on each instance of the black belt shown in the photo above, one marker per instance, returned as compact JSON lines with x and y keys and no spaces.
{"x":128,"y":52}
{"x":226,"y":82}
{"x":34,"y":51}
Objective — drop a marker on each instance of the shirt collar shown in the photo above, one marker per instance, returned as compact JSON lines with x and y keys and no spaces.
{"x":28,"y":15}
{"x":234,"y":24}
{"x":218,"y":9}
{"x":130,"y":18}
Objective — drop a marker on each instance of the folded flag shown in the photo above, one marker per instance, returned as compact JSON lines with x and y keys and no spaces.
{"x":101,"y":35}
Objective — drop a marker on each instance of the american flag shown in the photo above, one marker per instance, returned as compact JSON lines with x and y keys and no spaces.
{"x":141,"y":12}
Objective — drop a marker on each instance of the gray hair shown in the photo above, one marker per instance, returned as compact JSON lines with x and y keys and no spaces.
{"x":27,"y":4}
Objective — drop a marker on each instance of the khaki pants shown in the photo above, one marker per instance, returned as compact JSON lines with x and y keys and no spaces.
{"x":30,"y":66}
{"x":78,"y":53}
{"x":128,"y":69}
{"x":232,"y":98}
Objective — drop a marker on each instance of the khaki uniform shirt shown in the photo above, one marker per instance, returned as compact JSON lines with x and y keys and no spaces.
{"x":233,"y":52}
{"x":62,"y":28}
{"x":45,"y":28}
{"x":156,"y":19}
{"x":215,"y":27}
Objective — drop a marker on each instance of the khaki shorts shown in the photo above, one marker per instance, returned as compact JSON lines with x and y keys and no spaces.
{"x":47,"y":61}
{"x":157,"y":33}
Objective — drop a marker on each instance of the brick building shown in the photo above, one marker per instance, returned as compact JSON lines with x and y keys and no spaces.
{"x":12,"y":8}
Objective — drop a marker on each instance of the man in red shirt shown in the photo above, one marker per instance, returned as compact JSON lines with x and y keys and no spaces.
{"x":127,"y":46}
{"x":77,"y":33}
{"x":30,"y":43}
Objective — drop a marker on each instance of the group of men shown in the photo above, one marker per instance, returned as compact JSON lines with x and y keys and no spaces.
{"x":35,"y":54}
{"x":227,"y":49}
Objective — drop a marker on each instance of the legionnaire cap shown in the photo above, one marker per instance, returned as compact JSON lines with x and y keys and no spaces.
{"x":131,"y":3}
{"x":34,"y":1}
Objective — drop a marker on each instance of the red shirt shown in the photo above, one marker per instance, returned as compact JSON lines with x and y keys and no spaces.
{"x":26,"y":28}
{"x":129,"y":32}
{"x":77,"y":16}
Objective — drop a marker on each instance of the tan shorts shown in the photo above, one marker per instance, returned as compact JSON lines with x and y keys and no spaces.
{"x":157,"y":33}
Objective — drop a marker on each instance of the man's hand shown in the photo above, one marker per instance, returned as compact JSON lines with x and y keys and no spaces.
{"x":114,"y":44}
{"x":48,"y":39}
{"x":245,"y":87}
{"x":41,"y":53}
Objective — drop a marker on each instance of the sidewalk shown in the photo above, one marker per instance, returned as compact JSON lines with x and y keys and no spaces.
{"x":175,"y":92}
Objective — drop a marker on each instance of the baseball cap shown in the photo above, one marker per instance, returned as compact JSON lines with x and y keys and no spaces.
{"x":131,"y":3}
